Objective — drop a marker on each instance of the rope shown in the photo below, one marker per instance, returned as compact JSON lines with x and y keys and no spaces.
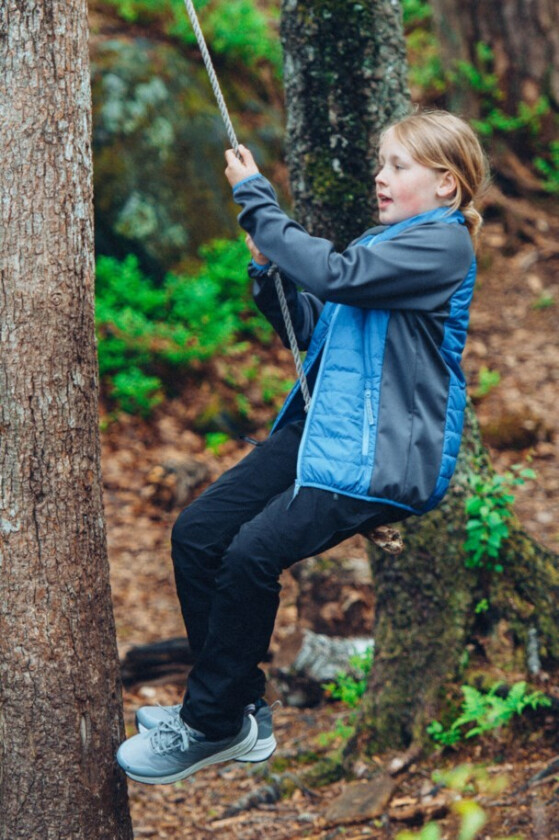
{"x":291,"y":336}
{"x":235,"y":145}
{"x":212,"y":75}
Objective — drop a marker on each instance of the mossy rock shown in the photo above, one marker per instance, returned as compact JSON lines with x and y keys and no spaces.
{"x":158,"y":146}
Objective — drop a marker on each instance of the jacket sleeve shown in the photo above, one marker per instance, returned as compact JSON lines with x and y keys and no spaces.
{"x":418,"y":269}
{"x":304,"y":308}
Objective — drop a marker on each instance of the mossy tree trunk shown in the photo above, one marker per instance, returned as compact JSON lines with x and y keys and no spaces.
{"x":427,"y":631}
{"x":345,"y":79}
{"x":345,"y":69}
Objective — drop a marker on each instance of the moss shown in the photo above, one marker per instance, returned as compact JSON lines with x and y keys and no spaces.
{"x":324,"y":772}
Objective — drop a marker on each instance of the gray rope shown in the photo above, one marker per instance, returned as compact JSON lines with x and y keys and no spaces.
{"x":291,"y":336}
{"x":235,"y":145}
{"x":212,"y":75}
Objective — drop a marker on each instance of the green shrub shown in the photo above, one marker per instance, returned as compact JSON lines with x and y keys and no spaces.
{"x":238,"y":29}
{"x":150,"y":335}
{"x":350,"y":687}
{"x":488,"y":507}
{"x":548,"y":167}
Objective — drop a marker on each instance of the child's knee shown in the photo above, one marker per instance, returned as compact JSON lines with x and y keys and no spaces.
{"x":181,"y":528}
{"x":248,"y":570}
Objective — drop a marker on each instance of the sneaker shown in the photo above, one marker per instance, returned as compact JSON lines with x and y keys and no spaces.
{"x":265,"y":741}
{"x":147,"y":717}
{"x":172,"y":751}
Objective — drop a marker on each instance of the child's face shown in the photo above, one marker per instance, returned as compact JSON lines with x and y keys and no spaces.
{"x":405,"y":187}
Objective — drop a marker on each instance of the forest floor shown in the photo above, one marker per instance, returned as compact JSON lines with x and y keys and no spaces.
{"x":514,"y":328}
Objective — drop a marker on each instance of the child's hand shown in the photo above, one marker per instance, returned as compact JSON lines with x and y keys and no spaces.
{"x":239,"y":168}
{"x":257,"y":255}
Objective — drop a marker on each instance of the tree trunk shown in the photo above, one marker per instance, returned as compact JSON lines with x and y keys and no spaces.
{"x":345,"y":79}
{"x":523,"y":36}
{"x":426,"y":617}
{"x":60,"y":703}
{"x":521,"y":76}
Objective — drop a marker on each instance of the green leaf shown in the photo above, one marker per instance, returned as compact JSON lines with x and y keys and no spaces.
{"x":473,"y":818}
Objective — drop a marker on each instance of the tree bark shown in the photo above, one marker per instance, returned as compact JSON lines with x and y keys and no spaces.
{"x":345,"y":79}
{"x":60,"y":703}
{"x":523,"y":36}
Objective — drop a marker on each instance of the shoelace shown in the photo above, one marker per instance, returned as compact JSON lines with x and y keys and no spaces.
{"x":170,"y":735}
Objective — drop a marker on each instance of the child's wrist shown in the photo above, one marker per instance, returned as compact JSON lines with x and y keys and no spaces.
{"x":260,"y":267}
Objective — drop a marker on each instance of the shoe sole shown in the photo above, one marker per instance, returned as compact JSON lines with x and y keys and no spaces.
{"x":225,"y":755}
{"x":262,"y":750}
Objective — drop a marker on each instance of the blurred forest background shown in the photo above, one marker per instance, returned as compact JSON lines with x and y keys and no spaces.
{"x":171,"y":287}
{"x":187,"y":366}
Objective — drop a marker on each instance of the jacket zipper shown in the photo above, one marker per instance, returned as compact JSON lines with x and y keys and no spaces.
{"x":368,"y":421}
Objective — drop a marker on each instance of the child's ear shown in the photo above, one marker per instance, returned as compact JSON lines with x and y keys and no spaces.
{"x":447,"y":185}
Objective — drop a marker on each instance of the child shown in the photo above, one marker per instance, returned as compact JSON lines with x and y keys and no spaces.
{"x":384,"y":325}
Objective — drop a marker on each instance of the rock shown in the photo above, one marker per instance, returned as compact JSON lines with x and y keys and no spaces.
{"x":512,"y":428}
{"x":361,"y":801}
{"x":172,"y":483}
{"x":335,"y":596}
{"x":320,"y":659}
{"x":323,"y":657}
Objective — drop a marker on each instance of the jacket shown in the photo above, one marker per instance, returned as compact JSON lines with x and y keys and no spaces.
{"x":384,"y":325}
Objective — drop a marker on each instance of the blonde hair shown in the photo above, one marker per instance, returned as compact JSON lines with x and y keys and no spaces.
{"x":442,"y":141}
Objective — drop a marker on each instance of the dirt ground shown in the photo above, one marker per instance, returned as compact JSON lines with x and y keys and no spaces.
{"x":514,"y":329}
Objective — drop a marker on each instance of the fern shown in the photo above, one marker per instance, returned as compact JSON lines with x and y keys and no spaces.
{"x":487,"y":711}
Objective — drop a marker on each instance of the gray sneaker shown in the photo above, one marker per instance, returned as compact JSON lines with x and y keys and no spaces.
{"x":265,"y":742}
{"x":172,"y":750}
{"x":147,"y":717}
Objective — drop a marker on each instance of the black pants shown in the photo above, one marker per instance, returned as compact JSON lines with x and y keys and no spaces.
{"x":229,"y":549}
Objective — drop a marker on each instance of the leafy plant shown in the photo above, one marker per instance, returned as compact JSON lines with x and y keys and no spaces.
{"x":545,"y":301}
{"x":481,"y":606}
{"x":487,"y":711}
{"x":149,"y":335}
{"x":235,"y":28}
{"x":348,"y":687}
{"x":549,"y":168}
{"x":135,"y":392}
{"x":488,"y":509}
{"x":431,"y":831}
{"x":416,"y":11}
{"x":215,"y":440}
{"x":465,"y":780}
{"x":342,"y":731}
{"x":487,"y":380}
{"x":432,"y":81}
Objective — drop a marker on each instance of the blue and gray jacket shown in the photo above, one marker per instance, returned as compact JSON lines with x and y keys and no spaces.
{"x":384,"y":325}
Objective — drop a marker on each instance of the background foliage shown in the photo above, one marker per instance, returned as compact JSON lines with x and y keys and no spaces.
{"x":151,"y":334}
